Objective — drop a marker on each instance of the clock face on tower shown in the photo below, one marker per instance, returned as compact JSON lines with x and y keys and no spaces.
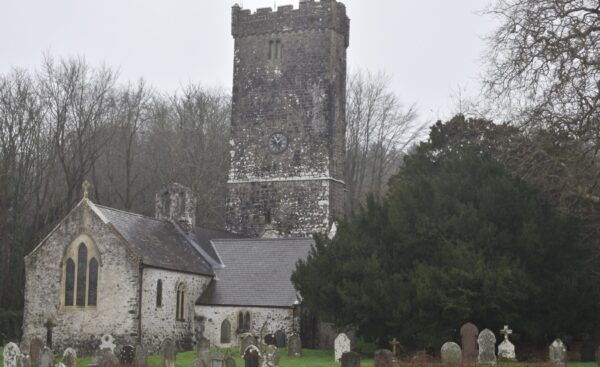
{"x":278,"y":143}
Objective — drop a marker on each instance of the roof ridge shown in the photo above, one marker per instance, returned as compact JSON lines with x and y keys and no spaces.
{"x":130,"y":213}
{"x":263,"y":239}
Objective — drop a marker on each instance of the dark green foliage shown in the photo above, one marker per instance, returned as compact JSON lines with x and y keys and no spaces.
{"x":456,"y":239}
{"x":10,"y":325}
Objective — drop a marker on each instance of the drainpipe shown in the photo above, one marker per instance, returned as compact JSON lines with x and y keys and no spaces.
{"x":140,"y":291}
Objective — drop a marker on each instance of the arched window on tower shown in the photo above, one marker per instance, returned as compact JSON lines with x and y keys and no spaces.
{"x":159,"y":293}
{"x":225,"y":332}
{"x":80,"y":274}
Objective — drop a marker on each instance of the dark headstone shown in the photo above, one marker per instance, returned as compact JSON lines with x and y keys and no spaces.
{"x":350,"y":359}
{"x":468,"y":335}
{"x":294,"y":345}
{"x":269,"y":339}
{"x":127,"y":354}
{"x":383,"y":358}
{"x":230,"y":362}
{"x":246,"y":340}
{"x":280,"y":341}
{"x":588,"y":352}
{"x":35,"y":350}
{"x":252,"y":357}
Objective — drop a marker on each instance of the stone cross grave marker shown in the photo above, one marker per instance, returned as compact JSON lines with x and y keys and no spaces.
{"x":46,"y":358}
{"x":217,"y":359}
{"x":294,"y":345}
{"x":280,"y":341}
{"x":141,"y":355}
{"x":350,"y":359}
{"x":383,"y":358}
{"x":558,"y":353}
{"x":11,"y":354}
{"x":271,"y":356}
{"x":70,"y":357}
{"x":451,"y":355}
{"x":487,"y":346}
{"x":168,"y":352}
{"x":246,"y":340}
{"x":35,"y":350}
{"x":468,"y":335}
{"x":127,"y":355}
{"x":341,"y":345}
{"x":395,"y":344}
{"x":506,"y":349}
{"x":107,"y":342}
{"x":252,"y":357}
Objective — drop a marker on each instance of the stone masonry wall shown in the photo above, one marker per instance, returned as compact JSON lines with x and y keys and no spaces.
{"x":301,"y":94}
{"x":81,"y":328}
{"x":160,"y":322}
{"x":276,"y":319}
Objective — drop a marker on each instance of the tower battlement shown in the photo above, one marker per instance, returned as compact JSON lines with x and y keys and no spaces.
{"x":311,"y":15}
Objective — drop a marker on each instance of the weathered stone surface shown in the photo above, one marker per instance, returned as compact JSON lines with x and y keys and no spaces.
{"x":127,"y":354}
{"x":177,"y":203}
{"x":107,"y":342}
{"x":35,"y":350}
{"x":294,"y":345}
{"x":141,"y":355}
{"x":341,"y":346}
{"x":217,"y":359}
{"x":506,"y":349}
{"x":46,"y":358}
{"x":300,"y":96}
{"x":106,"y":358}
{"x":23,"y":360}
{"x":203,"y":350}
{"x":280,"y":339}
{"x":383,"y":358}
{"x":271,"y":356}
{"x":451,"y":355}
{"x":246,"y":340}
{"x":230,"y":362}
{"x":487,"y":346}
{"x":557,"y":353}
{"x":70,"y":357}
{"x":252,"y":357}
{"x":469,"y":333}
{"x":11,"y":354}
{"x":168,"y":352}
{"x":350,"y":359}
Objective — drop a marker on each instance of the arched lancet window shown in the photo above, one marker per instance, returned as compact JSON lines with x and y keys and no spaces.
{"x":180,"y":308}
{"x":241,"y":322}
{"x":225,"y":332}
{"x":247,"y":321}
{"x":159,"y":293}
{"x":80,"y":273}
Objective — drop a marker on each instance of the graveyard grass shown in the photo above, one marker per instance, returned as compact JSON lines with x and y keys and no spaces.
{"x":310,"y":358}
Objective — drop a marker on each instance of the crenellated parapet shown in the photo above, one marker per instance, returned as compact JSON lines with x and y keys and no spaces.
{"x":311,"y":15}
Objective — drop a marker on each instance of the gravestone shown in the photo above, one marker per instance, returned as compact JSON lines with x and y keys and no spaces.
{"x":252,"y":357}
{"x":294,"y":345}
{"x":451,"y":355}
{"x":35,"y":350}
{"x":468,"y":335}
{"x":230,"y":362}
{"x":199,"y":363}
{"x":23,"y":360}
{"x":341,"y":345}
{"x":588,"y":352}
{"x":217,"y":359}
{"x":141,"y":355}
{"x":59,"y":364}
{"x":11,"y":354}
{"x":127,"y":354}
{"x":557,"y":353}
{"x":46,"y":358}
{"x":280,"y":341}
{"x":269,"y":339}
{"x":203,"y":350}
{"x":350,"y":359}
{"x":70,"y":357}
{"x":271,"y":356}
{"x":598,"y":356}
{"x":107,"y":342}
{"x":246,"y":340}
{"x":487,"y":346}
{"x":506,"y":349}
{"x":383,"y":358}
{"x":106,"y":357}
{"x":168,"y":353}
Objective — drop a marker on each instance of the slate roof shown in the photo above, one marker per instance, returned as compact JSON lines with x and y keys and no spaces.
{"x":161,"y":243}
{"x":257,"y":272}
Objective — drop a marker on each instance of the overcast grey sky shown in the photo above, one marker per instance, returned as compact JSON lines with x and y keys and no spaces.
{"x":430,"y":48}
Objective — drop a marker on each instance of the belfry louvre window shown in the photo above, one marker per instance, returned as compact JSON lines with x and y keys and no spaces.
{"x":275,"y":50}
{"x":80,"y":274}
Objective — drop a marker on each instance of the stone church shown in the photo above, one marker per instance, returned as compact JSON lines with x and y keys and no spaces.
{"x":141,"y":279}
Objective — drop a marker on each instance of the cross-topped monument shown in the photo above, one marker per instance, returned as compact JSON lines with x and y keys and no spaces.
{"x":506,"y":331}
{"x":86,"y":188}
{"x":394,"y":343}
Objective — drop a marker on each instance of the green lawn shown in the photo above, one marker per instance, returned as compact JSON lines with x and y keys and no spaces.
{"x":310,"y":358}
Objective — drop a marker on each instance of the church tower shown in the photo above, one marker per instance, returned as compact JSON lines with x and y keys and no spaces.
{"x":288,"y":120}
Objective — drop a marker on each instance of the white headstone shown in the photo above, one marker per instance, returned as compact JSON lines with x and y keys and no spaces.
{"x":487,"y":347}
{"x":341,"y":346}
{"x":11,"y":355}
{"x":59,"y":364}
{"x":558,"y":353}
{"x":107,"y":342}
{"x":451,"y":355}
{"x":506,"y":349}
